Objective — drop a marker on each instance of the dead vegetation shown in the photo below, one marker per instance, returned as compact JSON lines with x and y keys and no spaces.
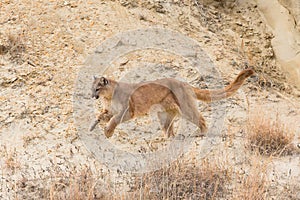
{"x":253,"y":183}
{"x":81,"y":185}
{"x":11,"y":161}
{"x":14,"y":46}
{"x":184,"y":180}
{"x":77,"y":185}
{"x":269,"y":137}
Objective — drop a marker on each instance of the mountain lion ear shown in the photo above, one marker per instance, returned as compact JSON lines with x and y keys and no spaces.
{"x":94,"y":77}
{"x":104,"y":81}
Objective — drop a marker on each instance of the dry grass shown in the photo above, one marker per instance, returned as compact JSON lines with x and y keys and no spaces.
{"x":11,"y":161}
{"x":291,"y":191}
{"x":80,"y":186}
{"x":253,"y":184}
{"x":269,"y":137}
{"x":15,"y":47}
{"x":183,"y":180}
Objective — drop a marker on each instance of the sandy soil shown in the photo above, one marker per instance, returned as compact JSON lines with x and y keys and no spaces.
{"x":45,"y":44}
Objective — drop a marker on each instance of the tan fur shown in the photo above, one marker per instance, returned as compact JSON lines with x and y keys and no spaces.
{"x":125,"y":101}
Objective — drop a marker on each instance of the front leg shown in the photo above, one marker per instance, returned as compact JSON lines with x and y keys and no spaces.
{"x":109,"y":129}
{"x":114,"y":121}
{"x":166,"y":120}
{"x":105,"y":116}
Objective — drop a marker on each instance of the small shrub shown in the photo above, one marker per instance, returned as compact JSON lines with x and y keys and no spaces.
{"x":183,"y":180}
{"x":79,"y":186}
{"x":270,"y":138}
{"x":15,"y":47}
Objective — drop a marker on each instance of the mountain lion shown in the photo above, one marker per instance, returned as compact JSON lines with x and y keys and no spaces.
{"x":124,"y":101}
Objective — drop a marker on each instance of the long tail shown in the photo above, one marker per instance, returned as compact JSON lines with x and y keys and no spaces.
{"x":215,"y":95}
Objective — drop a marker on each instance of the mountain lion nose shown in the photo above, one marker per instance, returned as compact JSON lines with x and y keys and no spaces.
{"x":95,"y":96}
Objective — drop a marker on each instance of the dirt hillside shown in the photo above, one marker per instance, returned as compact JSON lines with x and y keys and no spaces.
{"x":44,"y":45}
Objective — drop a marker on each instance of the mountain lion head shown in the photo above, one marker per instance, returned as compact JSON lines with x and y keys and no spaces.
{"x":100,"y":86}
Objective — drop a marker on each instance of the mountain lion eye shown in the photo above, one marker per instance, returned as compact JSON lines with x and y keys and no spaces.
{"x":97,"y":89}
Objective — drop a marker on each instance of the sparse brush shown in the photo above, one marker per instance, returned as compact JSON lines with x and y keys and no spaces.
{"x":253,"y":184}
{"x":15,"y":47}
{"x":291,"y":190}
{"x":11,"y":161}
{"x":183,"y":180}
{"x":270,"y":138}
{"x":80,"y":186}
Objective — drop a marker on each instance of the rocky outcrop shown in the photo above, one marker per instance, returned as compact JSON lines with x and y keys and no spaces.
{"x":282,"y":18}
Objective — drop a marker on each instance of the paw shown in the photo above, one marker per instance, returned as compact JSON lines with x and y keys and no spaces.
{"x":168,"y":132}
{"x":171,"y":133}
{"x":204,"y":129}
{"x":108,"y":132}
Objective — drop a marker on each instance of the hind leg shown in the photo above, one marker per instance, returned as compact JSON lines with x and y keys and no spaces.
{"x":166,"y":119}
{"x":202,"y":124}
{"x":198,"y":120}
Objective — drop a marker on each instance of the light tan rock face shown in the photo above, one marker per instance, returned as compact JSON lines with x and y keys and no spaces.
{"x":282,"y":17}
{"x":294,"y":8}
